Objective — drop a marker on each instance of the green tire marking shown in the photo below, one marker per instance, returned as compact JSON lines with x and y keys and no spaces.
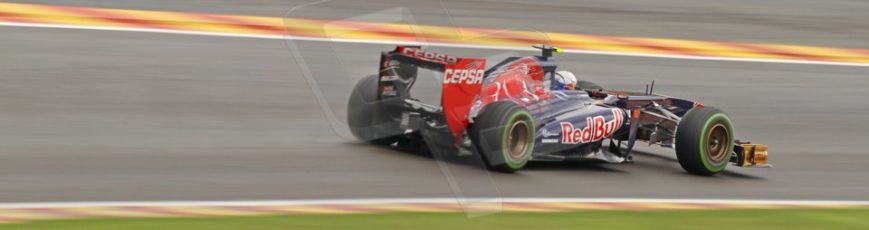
{"x":703,"y":158}
{"x":505,"y":145}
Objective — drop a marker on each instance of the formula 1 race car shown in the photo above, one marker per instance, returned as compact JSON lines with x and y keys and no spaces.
{"x":513,"y":112}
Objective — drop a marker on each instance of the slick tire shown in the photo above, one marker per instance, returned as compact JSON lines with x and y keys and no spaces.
{"x":704,"y":141}
{"x":504,"y":133}
{"x":587,"y":85}
{"x":367,"y":117}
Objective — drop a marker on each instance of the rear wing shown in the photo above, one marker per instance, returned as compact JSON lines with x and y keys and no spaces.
{"x":462,"y":80}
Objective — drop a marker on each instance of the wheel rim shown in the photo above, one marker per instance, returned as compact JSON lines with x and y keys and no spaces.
{"x":518,"y":140}
{"x":716,"y":143}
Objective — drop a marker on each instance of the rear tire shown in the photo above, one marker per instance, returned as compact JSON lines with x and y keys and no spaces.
{"x":704,"y":141}
{"x":367,"y":117}
{"x":504,"y":135}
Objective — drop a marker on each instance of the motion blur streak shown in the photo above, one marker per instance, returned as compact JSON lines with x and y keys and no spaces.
{"x":14,"y":14}
{"x":23,"y":212}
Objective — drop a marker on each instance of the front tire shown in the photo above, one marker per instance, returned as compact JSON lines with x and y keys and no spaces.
{"x":588,"y":86}
{"x":704,"y":141}
{"x":504,"y":135}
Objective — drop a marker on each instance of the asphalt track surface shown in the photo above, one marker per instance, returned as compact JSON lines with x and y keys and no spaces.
{"x":107,"y":116}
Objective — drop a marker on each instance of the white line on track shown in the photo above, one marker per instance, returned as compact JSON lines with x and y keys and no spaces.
{"x":420,"y":200}
{"x":454,"y":45}
{"x":424,"y":200}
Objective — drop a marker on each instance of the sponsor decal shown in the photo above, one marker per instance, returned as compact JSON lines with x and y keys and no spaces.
{"x":548,"y":141}
{"x":464,"y":76}
{"x":547,"y":133}
{"x":431,"y":56}
{"x":596,"y":129}
{"x":389,"y":78}
{"x":388,"y":90}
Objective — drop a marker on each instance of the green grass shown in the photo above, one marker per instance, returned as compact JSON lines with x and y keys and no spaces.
{"x":792,"y":219}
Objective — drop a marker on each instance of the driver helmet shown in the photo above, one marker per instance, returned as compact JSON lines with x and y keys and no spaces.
{"x":564,"y":80}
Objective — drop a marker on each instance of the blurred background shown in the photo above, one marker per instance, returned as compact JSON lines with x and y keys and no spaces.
{"x":89,"y":115}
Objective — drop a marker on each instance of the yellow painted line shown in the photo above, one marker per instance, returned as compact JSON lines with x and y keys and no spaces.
{"x":712,"y":48}
{"x":412,"y":208}
{"x":211,"y":211}
{"x":115,"y":212}
{"x":27,"y":215}
{"x":578,"y":41}
{"x":46,"y":15}
{"x":312,"y":210}
{"x":668,"y":206}
{"x":191,"y":22}
{"x":836,"y":54}
{"x":397,"y":32}
{"x":581,"y":206}
{"x":755,"y":206}
{"x":66,"y":211}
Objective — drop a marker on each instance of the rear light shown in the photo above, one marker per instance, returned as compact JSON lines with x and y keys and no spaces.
{"x":699,"y":105}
